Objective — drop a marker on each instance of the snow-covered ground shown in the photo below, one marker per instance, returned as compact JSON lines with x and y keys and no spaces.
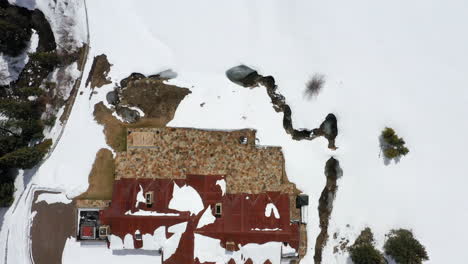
{"x":387,"y":64}
{"x":400,"y":64}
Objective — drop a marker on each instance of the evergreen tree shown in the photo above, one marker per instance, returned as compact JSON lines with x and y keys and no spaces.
{"x":392,"y":145}
{"x":404,"y":248}
{"x":363,"y":250}
{"x":15,"y":30}
{"x":26,"y":157}
{"x":6,"y":193}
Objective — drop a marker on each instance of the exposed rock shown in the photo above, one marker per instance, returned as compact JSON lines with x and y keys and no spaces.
{"x":248,"y":77}
{"x":112,"y":98}
{"x":243,"y":75}
{"x":128,"y":115}
{"x":332,"y":172}
{"x":134,"y":76}
{"x":154,"y":97}
{"x":328,"y":129}
{"x":97,"y":76}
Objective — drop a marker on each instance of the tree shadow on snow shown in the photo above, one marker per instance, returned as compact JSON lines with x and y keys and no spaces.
{"x":28,"y":174}
{"x":386,"y":160}
{"x":3,"y":211}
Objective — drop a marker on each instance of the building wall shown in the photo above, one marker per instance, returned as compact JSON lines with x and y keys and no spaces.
{"x":175,"y":152}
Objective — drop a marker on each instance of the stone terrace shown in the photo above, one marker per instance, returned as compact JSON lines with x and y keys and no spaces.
{"x":162,"y":153}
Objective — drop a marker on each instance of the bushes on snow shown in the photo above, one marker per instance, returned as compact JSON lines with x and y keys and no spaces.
{"x":400,"y":245}
{"x":363,"y":250}
{"x":404,"y":248}
{"x":392,"y":145}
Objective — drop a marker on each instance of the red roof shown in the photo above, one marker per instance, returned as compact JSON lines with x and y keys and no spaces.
{"x":242,"y":220}
{"x":87,"y":231}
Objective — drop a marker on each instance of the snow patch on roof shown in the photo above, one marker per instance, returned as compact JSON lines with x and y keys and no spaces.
{"x":52,"y":198}
{"x":115,"y":242}
{"x":207,"y":218}
{"x":266,"y":229}
{"x":155,"y":241}
{"x":287,"y":250}
{"x":269,"y":208}
{"x":140,"y":198}
{"x":222,"y":185}
{"x":172,"y":243}
{"x":128,"y":241}
{"x":159,"y":241}
{"x":149,"y":213}
{"x":208,"y":249}
{"x":186,"y":198}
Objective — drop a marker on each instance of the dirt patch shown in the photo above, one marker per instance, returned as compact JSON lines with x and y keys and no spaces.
{"x":115,"y":132}
{"x":249,"y":78}
{"x":97,"y":76}
{"x":332,"y":172}
{"x":101,"y":178}
{"x":51,"y":227}
{"x":157,"y":100}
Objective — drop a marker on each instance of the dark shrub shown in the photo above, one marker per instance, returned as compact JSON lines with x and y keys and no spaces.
{"x":6,"y":193}
{"x":392,"y":145}
{"x":363,"y":250}
{"x":15,"y":30}
{"x":46,"y":60}
{"x":366,"y":254}
{"x":314,"y":85}
{"x":404,"y":248}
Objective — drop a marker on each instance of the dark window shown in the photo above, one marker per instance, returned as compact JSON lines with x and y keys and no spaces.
{"x":218,"y":209}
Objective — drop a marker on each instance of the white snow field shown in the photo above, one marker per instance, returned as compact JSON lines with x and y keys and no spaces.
{"x":398,"y":63}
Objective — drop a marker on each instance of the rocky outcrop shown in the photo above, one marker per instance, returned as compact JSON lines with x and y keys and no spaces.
{"x":132,"y":77}
{"x":156,"y":99}
{"x":97,"y":76}
{"x":112,"y":98}
{"x":328,"y":129}
{"x":128,"y":115}
{"x":332,"y":172}
{"x":243,"y":75}
{"x":247,"y":77}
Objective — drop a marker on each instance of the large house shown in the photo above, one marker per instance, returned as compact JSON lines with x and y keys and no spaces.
{"x":199,"y":196}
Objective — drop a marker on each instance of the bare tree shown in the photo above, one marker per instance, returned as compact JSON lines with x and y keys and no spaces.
{"x":314,"y":85}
